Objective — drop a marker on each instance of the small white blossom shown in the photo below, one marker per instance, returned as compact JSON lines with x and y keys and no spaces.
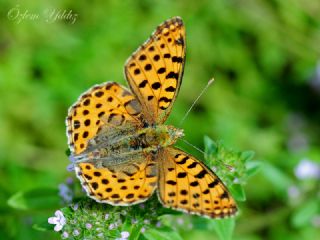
{"x":59,"y":220}
{"x":111,"y":226}
{"x":88,"y":225}
{"x":65,"y":235}
{"x":125,"y":235}
{"x":307,"y":169}
{"x":76,"y":232}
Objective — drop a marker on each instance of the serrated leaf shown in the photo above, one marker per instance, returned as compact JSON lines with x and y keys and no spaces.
{"x":163,"y":233}
{"x":223,"y":227}
{"x":304,"y":213}
{"x":237,"y":192}
{"x":41,"y":198}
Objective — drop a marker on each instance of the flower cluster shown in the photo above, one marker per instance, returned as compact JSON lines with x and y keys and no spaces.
{"x":88,"y":219}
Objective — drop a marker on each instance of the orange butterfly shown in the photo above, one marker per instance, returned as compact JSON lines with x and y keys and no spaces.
{"x":122,"y":150}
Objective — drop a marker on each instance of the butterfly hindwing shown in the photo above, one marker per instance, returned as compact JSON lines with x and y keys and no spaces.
{"x":154,"y":72}
{"x":187,"y":184}
{"x":123,"y":184}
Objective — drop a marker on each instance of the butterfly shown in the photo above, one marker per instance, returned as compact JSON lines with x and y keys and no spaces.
{"x":121,"y":149}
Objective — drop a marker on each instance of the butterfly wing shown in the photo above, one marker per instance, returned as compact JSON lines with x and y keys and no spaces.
{"x":105,"y":105}
{"x":154,"y":72}
{"x":187,"y":184}
{"x":123,"y":184}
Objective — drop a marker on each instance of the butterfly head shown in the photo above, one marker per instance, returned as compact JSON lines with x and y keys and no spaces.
{"x":174,"y":133}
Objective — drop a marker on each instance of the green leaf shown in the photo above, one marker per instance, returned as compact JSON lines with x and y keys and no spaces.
{"x":223,"y":227}
{"x":237,"y":192}
{"x":252,"y":168}
{"x":246,"y":156}
{"x":303,"y":215}
{"x":163,"y":233}
{"x":41,"y":198}
{"x":200,"y":223}
{"x":210,"y":146}
{"x":280,"y":180}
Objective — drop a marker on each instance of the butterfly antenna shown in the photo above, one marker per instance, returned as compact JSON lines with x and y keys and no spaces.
{"x":190,"y":144}
{"x":195,"y":101}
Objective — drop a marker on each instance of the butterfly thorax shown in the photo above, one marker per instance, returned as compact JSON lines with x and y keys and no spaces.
{"x":158,"y":136}
{"x":146,"y":140}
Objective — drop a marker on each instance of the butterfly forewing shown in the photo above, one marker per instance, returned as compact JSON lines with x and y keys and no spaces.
{"x":105,"y":105}
{"x":187,"y":184}
{"x":154,"y":72}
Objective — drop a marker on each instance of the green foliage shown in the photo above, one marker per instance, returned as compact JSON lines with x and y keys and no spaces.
{"x":165,"y":233}
{"x":41,"y":198}
{"x":264,"y":58}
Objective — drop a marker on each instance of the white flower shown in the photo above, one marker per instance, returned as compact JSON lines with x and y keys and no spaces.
{"x":59,"y":220}
{"x":307,"y":169}
{"x":76,"y":232}
{"x":88,"y":225}
{"x":65,"y":235}
{"x":125,"y":235}
{"x":112,"y":226}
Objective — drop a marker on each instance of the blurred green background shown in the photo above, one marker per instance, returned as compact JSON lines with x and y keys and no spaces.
{"x":264,"y":56}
